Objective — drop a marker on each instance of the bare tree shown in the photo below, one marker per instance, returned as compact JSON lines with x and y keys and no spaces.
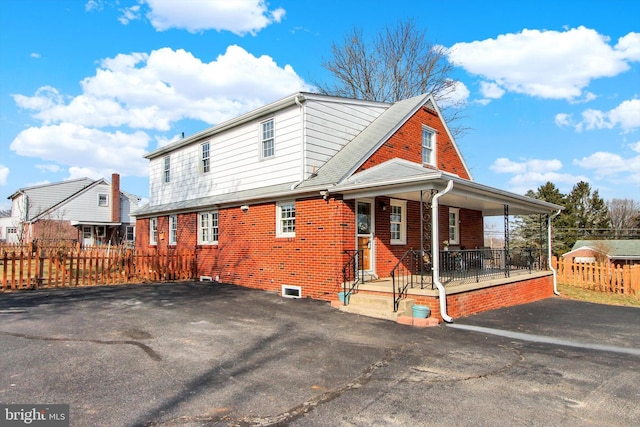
{"x":625,"y":217}
{"x":399,"y":63}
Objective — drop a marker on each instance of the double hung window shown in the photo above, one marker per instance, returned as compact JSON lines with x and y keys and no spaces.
{"x":153,"y":231}
{"x":267,"y":139}
{"x":428,"y":146}
{"x":398,"y":221}
{"x":208,"y":229}
{"x":286,"y":219}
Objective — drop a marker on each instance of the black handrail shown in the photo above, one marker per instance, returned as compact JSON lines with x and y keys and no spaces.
{"x":402,"y":275}
{"x":352,"y":275}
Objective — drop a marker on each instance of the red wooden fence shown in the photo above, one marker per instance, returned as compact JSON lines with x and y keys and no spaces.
{"x":60,"y":268}
{"x":602,"y":277}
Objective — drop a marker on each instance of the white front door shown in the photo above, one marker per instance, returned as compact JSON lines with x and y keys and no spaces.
{"x":87,"y":235}
{"x":364,"y":234}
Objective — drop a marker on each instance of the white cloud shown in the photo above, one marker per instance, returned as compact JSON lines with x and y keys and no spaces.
{"x":146,"y":91}
{"x":4,"y":174}
{"x":35,"y":55}
{"x":238,"y":17}
{"x":606,"y":164}
{"x":456,"y":95}
{"x":546,"y":64}
{"x":532,"y":173}
{"x":563,"y":120}
{"x":93,"y":173}
{"x":635,"y":146}
{"x":48,"y":168}
{"x":129,"y":14}
{"x":626,"y":116}
{"x":92,"y":5}
{"x":153,"y":91}
{"x":73,"y":145}
{"x":491,"y":90}
{"x":629,"y":46}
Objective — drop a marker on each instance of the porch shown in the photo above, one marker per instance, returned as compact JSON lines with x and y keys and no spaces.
{"x":475,"y":280}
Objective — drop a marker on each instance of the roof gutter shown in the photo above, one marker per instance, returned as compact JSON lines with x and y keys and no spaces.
{"x":435,"y":253}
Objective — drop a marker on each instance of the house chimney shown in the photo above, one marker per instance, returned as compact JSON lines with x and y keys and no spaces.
{"x":115,"y":197}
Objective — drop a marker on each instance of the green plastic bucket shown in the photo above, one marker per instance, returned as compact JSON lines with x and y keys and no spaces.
{"x":420,"y":311}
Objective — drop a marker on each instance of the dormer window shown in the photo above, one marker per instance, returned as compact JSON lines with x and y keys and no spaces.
{"x":428,"y":146}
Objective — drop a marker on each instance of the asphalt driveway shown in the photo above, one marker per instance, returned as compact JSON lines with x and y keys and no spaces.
{"x":210,"y":354}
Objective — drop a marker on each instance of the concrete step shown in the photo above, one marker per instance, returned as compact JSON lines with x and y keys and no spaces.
{"x":378,"y":306}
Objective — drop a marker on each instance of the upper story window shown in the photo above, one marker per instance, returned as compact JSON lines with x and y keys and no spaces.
{"x":428,"y":146}
{"x":153,"y":231}
{"x":286,"y":219}
{"x":166,"y":171}
{"x":267,"y":139}
{"x":398,"y":221}
{"x":454,"y":226}
{"x":205,"y":161}
{"x":103,"y":200}
{"x":208,"y":229}
{"x":173,"y":229}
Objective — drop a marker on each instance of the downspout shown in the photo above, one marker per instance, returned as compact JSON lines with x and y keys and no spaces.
{"x":304,"y":140}
{"x":435,"y":253}
{"x":555,"y":274}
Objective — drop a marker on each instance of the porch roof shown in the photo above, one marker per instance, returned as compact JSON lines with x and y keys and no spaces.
{"x":402,"y":179}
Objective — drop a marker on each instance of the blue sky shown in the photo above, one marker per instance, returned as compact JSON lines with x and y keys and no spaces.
{"x":88,"y":87}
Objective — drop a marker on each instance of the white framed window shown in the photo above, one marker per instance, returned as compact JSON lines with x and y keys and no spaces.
{"x":267,"y":142}
{"x":286,"y":219}
{"x":208,"y":228}
{"x":173,"y":229}
{"x":166,"y":170}
{"x":130,"y":233}
{"x":398,"y":221}
{"x":103,"y":199}
{"x":12,"y":230}
{"x":205,"y":160}
{"x":454,"y":226}
{"x":101,"y":231}
{"x":153,"y":231}
{"x":428,"y":146}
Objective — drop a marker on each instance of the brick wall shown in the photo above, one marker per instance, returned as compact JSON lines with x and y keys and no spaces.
{"x":406,"y":143}
{"x":477,"y":301}
{"x":248,"y":252}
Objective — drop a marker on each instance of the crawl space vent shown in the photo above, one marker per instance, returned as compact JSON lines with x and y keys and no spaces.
{"x":291,"y":291}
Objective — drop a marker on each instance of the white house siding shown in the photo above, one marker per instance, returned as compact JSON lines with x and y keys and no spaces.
{"x":84,"y":207}
{"x":43,"y":197}
{"x":235,"y":162}
{"x":330,"y":125}
{"x":126,"y":206}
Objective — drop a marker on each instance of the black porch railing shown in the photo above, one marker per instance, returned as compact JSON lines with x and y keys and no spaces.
{"x":352,"y":274}
{"x":476,"y":265}
{"x":462,"y":266}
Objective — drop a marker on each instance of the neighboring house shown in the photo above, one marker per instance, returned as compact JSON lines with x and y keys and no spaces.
{"x":617,"y":252}
{"x":281,"y":198}
{"x":88,"y":211}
